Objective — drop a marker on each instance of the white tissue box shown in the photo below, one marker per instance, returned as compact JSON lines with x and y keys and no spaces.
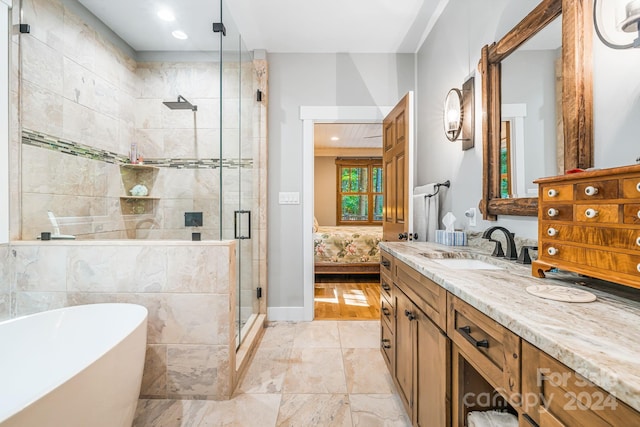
{"x":451,"y":238}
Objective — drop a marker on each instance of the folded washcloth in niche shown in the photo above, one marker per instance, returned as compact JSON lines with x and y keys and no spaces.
{"x":491,"y":419}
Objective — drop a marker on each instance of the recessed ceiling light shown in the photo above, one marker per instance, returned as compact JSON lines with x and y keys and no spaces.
{"x":335,"y":138}
{"x":166,"y":15}
{"x":180,"y":35}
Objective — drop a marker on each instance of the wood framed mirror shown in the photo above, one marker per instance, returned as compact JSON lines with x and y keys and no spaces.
{"x":576,"y":105}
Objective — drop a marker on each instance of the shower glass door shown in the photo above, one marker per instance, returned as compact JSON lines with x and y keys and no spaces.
{"x":239,"y":198}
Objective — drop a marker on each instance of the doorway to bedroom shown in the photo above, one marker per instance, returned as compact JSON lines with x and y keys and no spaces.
{"x":348,"y":207}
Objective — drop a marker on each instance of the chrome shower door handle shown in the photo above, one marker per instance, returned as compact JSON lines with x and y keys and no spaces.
{"x":237,"y":223}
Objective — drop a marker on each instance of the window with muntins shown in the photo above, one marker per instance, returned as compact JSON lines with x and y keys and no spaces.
{"x":359,"y":191}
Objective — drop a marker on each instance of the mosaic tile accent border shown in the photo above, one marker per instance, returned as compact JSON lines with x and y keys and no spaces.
{"x":39,"y":139}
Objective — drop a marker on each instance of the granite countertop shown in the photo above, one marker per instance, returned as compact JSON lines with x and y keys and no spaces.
{"x":599,"y":340}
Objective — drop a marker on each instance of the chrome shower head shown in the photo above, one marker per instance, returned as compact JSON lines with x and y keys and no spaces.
{"x":181,"y":104}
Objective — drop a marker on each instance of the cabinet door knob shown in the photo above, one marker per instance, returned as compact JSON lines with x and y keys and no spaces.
{"x":386,"y":311}
{"x":386,"y":286}
{"x":553,"y":212}
{"x":409,"y":315}
{"x":552,"y":232}
{"x":591,"y":191}
{"x":592,"y":213}
{"x":552,"y":251}
{"x":552,"y":192}
{"x":386,"y":343}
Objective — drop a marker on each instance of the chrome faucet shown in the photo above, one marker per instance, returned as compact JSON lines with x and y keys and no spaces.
{"x":512,"y":253}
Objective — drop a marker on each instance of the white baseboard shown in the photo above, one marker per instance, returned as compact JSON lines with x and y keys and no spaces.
{"x":286,"y":314}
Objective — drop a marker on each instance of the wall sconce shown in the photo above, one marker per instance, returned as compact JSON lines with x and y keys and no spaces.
{"x":611,"y":12}
{"x":458,"y":115}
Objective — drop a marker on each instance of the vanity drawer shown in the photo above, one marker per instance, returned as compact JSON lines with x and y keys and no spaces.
{"x":386,"y":346}
{"x":558,"y":396}
{"x":632,"y":214}
{"x":386,"y":286}
{"x":597,"y":190}
{"x":631,"y":188}
{"x":597,"y":213}
{"x":556,"y":212}
{"x":386,"y":263}
{"x":386,"y":313}
{"x":555,"y":193}
{"x":619,"y":238}
{"x":427,"y":295}
{"x":490,"y":347}
{"x":559,"y":251}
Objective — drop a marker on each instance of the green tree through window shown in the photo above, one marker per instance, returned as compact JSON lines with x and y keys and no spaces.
{"x":359,"y":191}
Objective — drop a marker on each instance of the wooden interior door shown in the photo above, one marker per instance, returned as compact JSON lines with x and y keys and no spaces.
{"x":396,"y":140}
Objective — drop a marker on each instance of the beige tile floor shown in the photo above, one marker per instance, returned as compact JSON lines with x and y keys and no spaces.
{"x":322,"y":373}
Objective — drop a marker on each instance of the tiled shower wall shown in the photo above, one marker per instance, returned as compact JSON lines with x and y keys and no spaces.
{"x":5,"y":289}
{"x":78,"y":86}
{"x":188,"y":288}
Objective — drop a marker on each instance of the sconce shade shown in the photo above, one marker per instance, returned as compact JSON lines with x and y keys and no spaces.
{"x":631,"y":23}
{"x":453,"y":114}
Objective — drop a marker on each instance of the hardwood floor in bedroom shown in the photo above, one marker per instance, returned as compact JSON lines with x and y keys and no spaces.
{"x":347,"y":297}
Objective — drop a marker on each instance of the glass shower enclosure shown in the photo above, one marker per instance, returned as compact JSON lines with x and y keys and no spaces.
{"x":140,"y":123}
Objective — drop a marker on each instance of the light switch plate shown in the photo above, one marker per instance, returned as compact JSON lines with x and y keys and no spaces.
{"x":289,"y":198}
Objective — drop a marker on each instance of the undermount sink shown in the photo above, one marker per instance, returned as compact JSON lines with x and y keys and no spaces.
{"x":465,"y":264}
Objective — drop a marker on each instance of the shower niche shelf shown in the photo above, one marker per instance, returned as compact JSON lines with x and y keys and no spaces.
{"x":132,"y":175}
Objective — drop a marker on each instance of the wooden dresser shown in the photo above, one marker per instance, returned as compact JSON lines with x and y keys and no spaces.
{"x":589,"y":223}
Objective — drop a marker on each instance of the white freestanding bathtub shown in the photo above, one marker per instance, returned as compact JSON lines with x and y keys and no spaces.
{"x":77,"y":366}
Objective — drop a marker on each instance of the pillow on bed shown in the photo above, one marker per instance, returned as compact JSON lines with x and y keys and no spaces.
{"x":315,"y":225}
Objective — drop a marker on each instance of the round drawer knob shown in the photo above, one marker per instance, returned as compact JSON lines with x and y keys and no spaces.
{"x":553,"y":193}
{"x":553,"y":212}
{"x":552,"y":251}
{"x":638,"y":214}
{"x":591,"y":191}
{"x":592,"y":213}
{"x":638,"y":241}
{"x":638,"y":267}
{"x":553,"y":232}
{"x":638,"y":187}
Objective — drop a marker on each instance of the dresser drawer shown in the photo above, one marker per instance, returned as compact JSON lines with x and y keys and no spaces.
{"x":551,"y":211}
{"x":555,"y":193}
{"x":618,"y":238}
{"x":490,"y":347}
{"x":597,"y":190}
{"x":631,"y":188}
{"x":597,"y":213}
{"x":427,"y":295}
{"x":593,"y":261}
{"x":632,"y":214}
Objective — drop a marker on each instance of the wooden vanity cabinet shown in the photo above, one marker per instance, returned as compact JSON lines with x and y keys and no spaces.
{"x":589,"y":223}
{"x":422,"y":349}
{"x":555,"y":396}
{"x":485,"y":363}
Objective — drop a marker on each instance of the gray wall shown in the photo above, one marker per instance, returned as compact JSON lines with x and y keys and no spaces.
{"x":451,"y":52}
{"x":297,"y":80}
